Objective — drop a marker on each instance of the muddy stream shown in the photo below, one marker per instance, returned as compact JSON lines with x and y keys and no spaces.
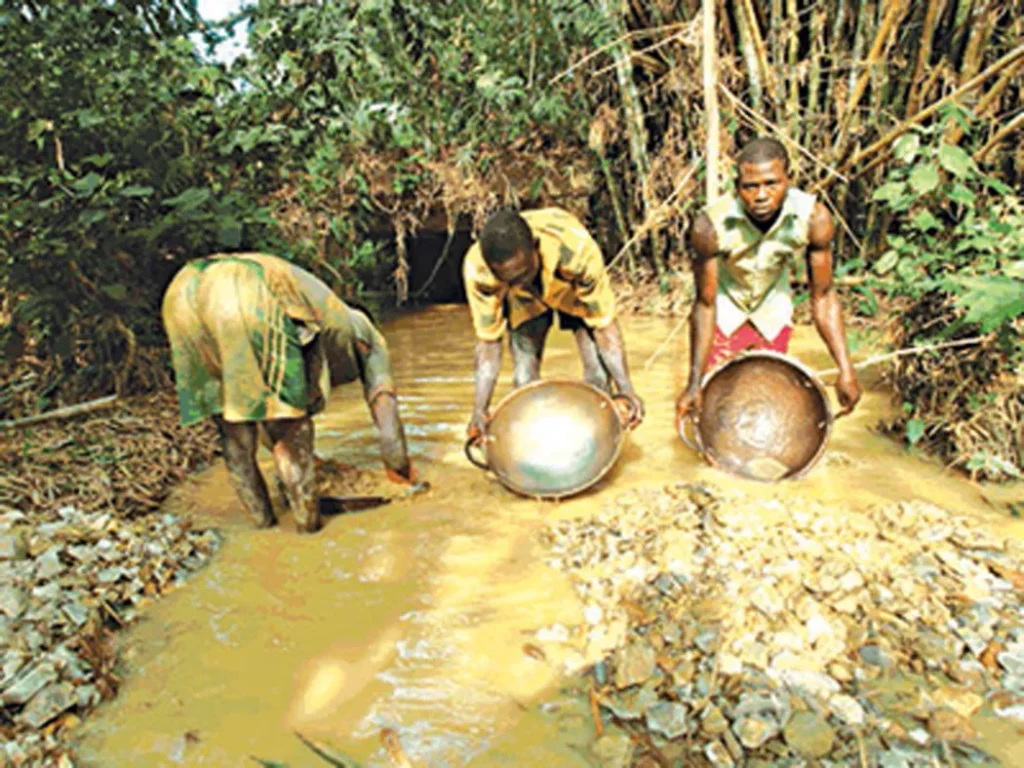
{"x":413,"y":616}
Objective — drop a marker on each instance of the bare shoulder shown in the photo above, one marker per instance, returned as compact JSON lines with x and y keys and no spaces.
{"x":702,"y":236}
{"x":822,"y":228}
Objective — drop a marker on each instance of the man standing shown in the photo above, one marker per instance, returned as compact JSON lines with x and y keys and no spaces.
{"x":256,"y":344}
{"x":525,"y":269}
{"x":743,"y":246}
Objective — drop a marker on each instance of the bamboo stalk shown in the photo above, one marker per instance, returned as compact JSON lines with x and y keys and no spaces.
{"x":793,"y":101}
{"x":1010,"y":58}
{"x":749,"y":54}
{"x":710,"y":79}
{"x":761,"y":51}
{"x":980,"y":26}
{"x":894,"y":10}
{"x":924,"y":53}
{"x":998,"y":136}
{"x":814,"y":77}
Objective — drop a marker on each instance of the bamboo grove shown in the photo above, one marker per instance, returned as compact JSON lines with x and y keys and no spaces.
{"x":125,"y":152}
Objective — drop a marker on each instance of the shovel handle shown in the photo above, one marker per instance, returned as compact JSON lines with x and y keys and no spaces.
{"x":472,"y":459}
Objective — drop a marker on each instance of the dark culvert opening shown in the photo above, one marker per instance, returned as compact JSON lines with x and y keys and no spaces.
{"x":435,"y":266}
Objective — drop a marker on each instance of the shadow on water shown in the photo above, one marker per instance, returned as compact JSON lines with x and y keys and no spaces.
{"x":413,"y":616}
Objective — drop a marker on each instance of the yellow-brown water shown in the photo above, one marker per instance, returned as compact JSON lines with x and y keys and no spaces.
{"x":413,"y":616}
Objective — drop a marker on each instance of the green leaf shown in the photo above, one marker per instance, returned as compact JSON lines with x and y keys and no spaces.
{"x":1015,"y":269}
{"x":229,"y":233}
{"x":961,"y":194}
{"x":91,"y":216}
{"x":924,"y":178}
{"x":88,"y":184}
{"x":906,"y":146}
{"x":890,"y":191}
{"x":36,"y":129}
{"x":116,"y":291}
{"x":887,"y":261}
{"x":136,"y":192}
{"x":955,"y":160}
{"x":923,"y":220}
{"x":997,"y":186}
{"x":915,"y":431}
{"x":190,"y":199}
{"x":991,"y":301}
{"x":87,"y":118}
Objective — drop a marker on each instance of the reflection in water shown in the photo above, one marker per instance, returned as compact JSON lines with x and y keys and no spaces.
{"x":414,"y":616}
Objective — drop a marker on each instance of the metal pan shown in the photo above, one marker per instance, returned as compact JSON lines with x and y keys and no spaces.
{"x":552,"y":438}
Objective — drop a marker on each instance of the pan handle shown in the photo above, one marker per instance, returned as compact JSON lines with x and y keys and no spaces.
{"x":690,"y":421}
{"x":633,"y":410}
{"x":472,"y":460}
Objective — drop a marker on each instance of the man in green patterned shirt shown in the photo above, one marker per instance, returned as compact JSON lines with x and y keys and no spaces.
{"x":257,"y":344}
{"x":744,"y":245}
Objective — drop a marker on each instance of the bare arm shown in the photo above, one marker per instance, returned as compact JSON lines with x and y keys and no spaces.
{"x":612,"y":349}
{"x":485,"y":373}
{"x":393,"y":449}
{"x":705,"y":275}
{"x":825,"y":308}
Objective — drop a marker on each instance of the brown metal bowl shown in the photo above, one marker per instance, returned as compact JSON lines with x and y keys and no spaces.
{"x":552,"y":438}
{"x":764,"y":416}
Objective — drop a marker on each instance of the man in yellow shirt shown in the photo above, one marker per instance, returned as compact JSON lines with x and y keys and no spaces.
{"x":257,"y":344}
{"x":526,"y":268}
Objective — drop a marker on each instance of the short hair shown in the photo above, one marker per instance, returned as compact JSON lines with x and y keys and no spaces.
{"x":505,"y":234}
{"x":763,"y":150}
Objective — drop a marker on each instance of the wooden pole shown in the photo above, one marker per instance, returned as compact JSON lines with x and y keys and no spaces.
{"x":711,"y":98}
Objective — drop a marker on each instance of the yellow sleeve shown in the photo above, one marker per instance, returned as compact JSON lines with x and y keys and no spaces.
{"x":592,"y":285}
{"x":485,"y":296}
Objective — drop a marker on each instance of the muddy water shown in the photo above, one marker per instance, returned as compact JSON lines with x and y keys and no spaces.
{"x":414,"y":616}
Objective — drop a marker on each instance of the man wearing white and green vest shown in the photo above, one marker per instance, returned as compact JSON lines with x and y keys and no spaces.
{"x":743,"y":247}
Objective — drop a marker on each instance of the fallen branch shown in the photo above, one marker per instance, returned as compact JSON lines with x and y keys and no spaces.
{"x":909,"y":351}
{"x":61,"y":413}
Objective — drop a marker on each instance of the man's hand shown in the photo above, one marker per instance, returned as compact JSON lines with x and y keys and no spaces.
{"x":848,"y":391}
{"x":689,"y":402}
{"x":635,"y":417}
{"x":477,"y":427}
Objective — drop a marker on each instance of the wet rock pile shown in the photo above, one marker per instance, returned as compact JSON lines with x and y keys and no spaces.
{"x":725,"y":630}
{"x":66,"y":580}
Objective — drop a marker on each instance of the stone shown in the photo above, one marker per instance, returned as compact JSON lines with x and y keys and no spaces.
{"x":48,"y":564}
{"x":13,"y":546}
{"x":1012,"y":662}
{"x":733,"y":746}
{"x":614,"y":749}
{"x":965,"y":703}
{"x":634,"y":664}
{"x":809,"y":734}
{"x":713,"y":722}
{"x":668,"y":719}
{"x":840,"y":672}
{"x":767,"y":600}
{"x":718,"y":755}
{"x":847,"y":709}
{"x":87,"y":695}
{"x":753,"y":731}
{"x":948,"y":725}
{"x":29,"y":684}
{"x":877,"y":656}
{"x":13,"y":601}
{"x":47,"y":704}
{"x":812,"y":684}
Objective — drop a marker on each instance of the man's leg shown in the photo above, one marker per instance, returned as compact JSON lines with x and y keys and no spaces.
{"x":240,"y":442}
{"x":293,"y":458}
{"x":527,"y":343}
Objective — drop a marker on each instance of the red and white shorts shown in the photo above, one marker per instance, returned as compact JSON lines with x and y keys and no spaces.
{"x":745,"y":337}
